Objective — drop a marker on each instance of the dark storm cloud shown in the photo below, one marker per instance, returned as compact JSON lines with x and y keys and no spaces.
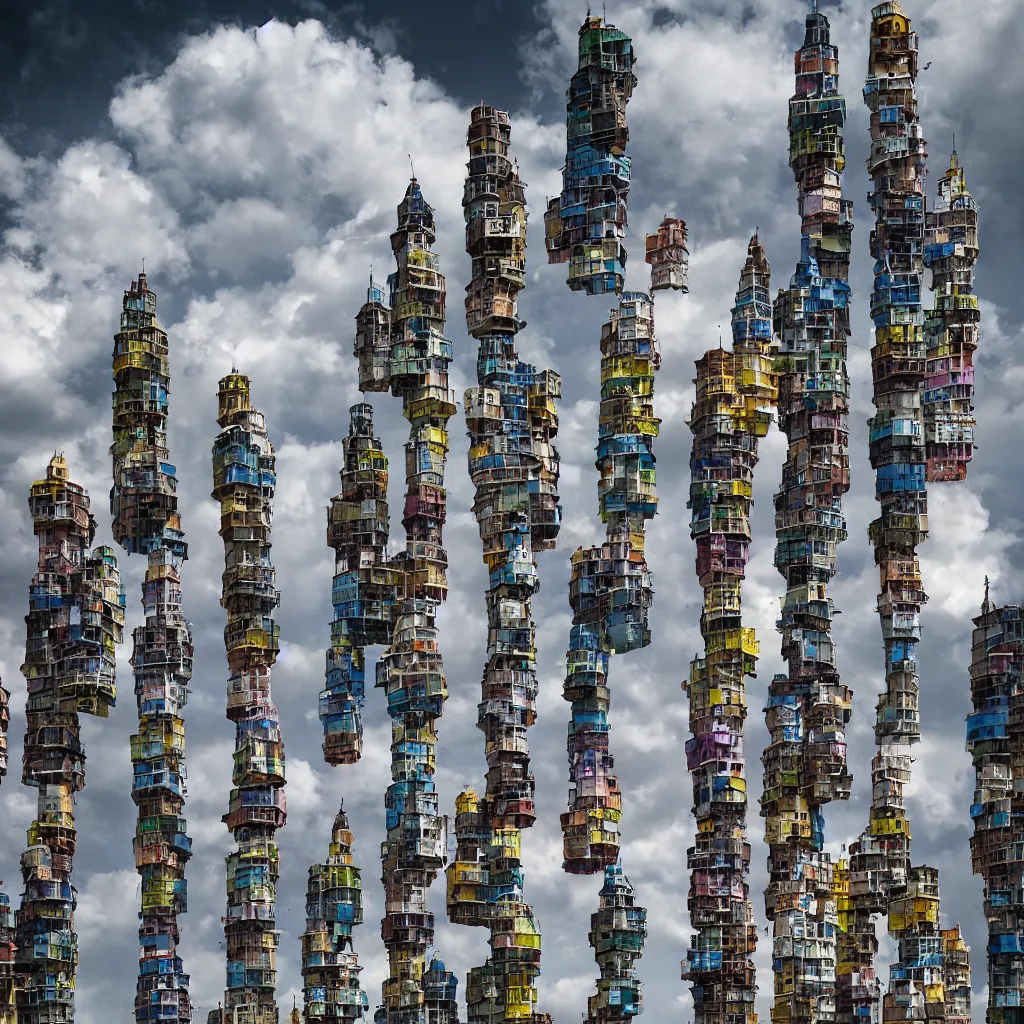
{"x":59,"y":59}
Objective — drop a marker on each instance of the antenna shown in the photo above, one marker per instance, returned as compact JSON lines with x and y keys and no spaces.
{"x":411,"y":168}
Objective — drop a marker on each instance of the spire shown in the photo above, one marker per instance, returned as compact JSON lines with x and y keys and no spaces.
{"x":986,"y":605}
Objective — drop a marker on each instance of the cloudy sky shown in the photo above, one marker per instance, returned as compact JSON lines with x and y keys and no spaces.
{"x":258,"y":173}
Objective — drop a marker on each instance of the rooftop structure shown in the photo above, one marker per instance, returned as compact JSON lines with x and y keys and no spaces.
{"x":75,"y":620}
{"x":585,"y":225}
{"x":144,"y":506}
{"x":668,"y":256}
{"x":244,"y":479}
{"x":511,"y":419}
{"x":808,"y":706}
{"x":736,"y":397}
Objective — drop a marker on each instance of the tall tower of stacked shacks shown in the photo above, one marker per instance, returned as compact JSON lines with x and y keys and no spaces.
{"x":7,"y":978}
{"x":511,"y":419}
{"x":951,"y":328}
{"x":881,"y":877}
{"x":244,"y":479}
{"x":736,"y":396}
{"x":401,"y":347}
{"x":363,"y":595}
{"x":995,"y":738}
{"x":75,"y":619}
{"x":951,"y":337}
{"x":610,"y":585}
{"x":144,"y":506}
{"x":585,"y":226}
{"x":410,"y":671}
{"x":5,"y":718}
{"x":808,"y":706}
{"x":334,"y":905}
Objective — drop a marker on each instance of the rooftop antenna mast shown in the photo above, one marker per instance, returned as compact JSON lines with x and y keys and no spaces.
{"x":411,"y":168}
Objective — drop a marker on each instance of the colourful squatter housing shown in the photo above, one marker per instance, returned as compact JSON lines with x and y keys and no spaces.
{"x":586,"y":224}
{"x":511,"y":419}
{"x":995,"y":738}
{"x":243,"y":482}
{"x":144,"y":506}
{"x":7,"y":978}
{"x":790,"y":357}
{"x":809,"y":707}
{"x":401,"y":347}
{"x":736,"y":396}
{"x":75,"y":619}
{"x":364,"y":598}
{"x":910,"y":355}
{"x":610,"y":585}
